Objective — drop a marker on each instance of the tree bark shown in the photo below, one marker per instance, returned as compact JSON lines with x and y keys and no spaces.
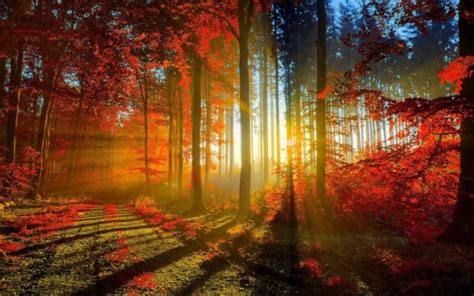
{"x":321,"y":105}
{"x":245,"y":11}
{"x":277,"y":113}
{"x":3,"y":76}
{"x":170,"y":132}
{"x":208,"y":130}
{"x":461,"y":228}
{"x":43,"y":133}
{"x":145,"y":101}
{"x":180,"y":143}
{"x":145,"y":114}
{"x":265,"y":101}
{"x":14,"y":103}
{"x":198,"y":204}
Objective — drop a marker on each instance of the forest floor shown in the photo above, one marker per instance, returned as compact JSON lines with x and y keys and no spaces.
{"x":80,"y":249}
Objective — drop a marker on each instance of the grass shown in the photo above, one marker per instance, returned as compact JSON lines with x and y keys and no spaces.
{"x":115,"y":251}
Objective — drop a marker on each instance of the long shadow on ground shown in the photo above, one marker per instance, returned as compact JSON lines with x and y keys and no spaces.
{"x":110,"y":283}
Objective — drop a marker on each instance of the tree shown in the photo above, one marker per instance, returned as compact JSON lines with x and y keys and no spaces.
{"x":198,"y":204}
{"x":461,"y":228}
{"x":321,"y":105}
{"x":245,"y":14}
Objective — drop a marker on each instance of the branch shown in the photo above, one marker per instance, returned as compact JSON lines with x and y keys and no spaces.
{"x":223,"y":18}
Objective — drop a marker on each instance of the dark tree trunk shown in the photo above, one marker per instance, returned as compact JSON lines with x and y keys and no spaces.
{"x":75,"y":140}
{"x":461,"y":228}
{"x":3,"y":76}
{"x":207,"y":169}
{"x":289,"y":137}
{"x":198,"y":204}
{"x":180,"y":143}
{"x":265,"y":101}
{"x":277,"y":112}
{"x":170,"y":132}
{"x":145,"y":115}
{"x":43,"y":133}
{"x":245,"y":10}
{"x":321,"y":105}
{"x":14,"y":103}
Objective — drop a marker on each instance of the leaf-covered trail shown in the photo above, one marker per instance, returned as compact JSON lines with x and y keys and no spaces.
{"x":112,"y":250}
{"x":105,"y":249}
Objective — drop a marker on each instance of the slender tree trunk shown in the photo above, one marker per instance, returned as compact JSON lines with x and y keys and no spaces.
{"x":265,"y":107}
{"x":245,"y":10}
{"x":198,"y":204}
{"x":80,"y":144}
{"x":3,"y":77}
{"x":74,"y":141}
{"x":208,"y":130}
{"x":49,"y":164}
{"x":145,"y":101}
{"x":170,"y":133}
{"x":321,"y":105}
{"x":231,"y":145}
{"x":461,"y":228}
{"x":289,"y":136}
{"x":298,"y":135}
{"x":145,"y":114}
{"x":180,"y":143}
{"x":14,"y":103}
{"x":277,"y":113}
{"x":43,"y":133}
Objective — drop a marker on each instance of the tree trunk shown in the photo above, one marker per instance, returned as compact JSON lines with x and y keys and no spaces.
{"x":208,"y":130}
{"x":277,"y":113}
{"x":14,"y":103}
{"x":74,"y":141}
{"x":145,"y":115}
{"x":198,"y":204}
{"x":231,"y":144}
{"x":289,"y":137}
{"x":3,"y":76}
{"x":265,"y":104}
{"x":321,"y":105}
{"x":180,"y":144}
{"x":43,"y":133}
{"x":245,"y":10}
{"x":461,"y":228}
{"x":170,"y":133}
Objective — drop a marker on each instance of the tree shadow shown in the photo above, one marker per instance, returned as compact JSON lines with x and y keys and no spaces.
{"x":100,"y":223}
{"x":70,"y":239}
{"x":110,"y":283}
{"x":210,"y":268}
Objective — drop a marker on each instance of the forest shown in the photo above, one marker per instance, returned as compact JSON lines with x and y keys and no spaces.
{"x":237,"y":147}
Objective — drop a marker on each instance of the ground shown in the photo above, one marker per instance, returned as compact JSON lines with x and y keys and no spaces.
{"x":95,"y":249}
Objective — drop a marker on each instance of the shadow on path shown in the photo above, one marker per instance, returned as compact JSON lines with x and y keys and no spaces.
{"x":111,"y":282}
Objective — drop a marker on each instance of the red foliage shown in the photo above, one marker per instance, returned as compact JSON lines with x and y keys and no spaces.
{"x":335,"y":281}
{"x":409,"y":190}
{"x":15,"y":178}
{"x":46,"y":224}
{"x":273,"y":204}
{"x":121,"y":252}
{"x":458,"y":70}
{"x":313,"y":266}
{"x":110,"y":211}
{"x":119,"y":255}
{"x":7,"y":247}
{"x":146,"y":208}
{"x":144,"y":280}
